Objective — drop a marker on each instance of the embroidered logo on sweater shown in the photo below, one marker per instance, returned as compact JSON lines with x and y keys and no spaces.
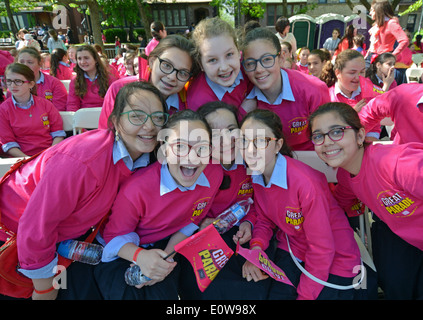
{"x":199,"y":206}
{"x":298,"y":125}
{"x":397,"y":203}
{"x":294,"y":216}
{"x":245,"y":187}
{"x":48,"y":95}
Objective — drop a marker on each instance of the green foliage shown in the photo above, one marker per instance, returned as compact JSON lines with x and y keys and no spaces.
{"x":110,"y":35}
{"x":255,"y":8}
{"x":139,"y":31}
{"x":414,"y":7}
{"x":5,"y":34}
{"x":117,"y":11}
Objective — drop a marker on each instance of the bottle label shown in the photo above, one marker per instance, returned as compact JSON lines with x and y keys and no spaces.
{"x":238,"y":211}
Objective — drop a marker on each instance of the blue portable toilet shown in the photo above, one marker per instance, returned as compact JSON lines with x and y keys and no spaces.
{"x":362,"y":28}
{"x":303,"y":27}
{"x":325,"y":25}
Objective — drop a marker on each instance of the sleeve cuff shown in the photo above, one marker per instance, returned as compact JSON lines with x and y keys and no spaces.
{"x":7,"y":146}
{"x":189,"y":229}
{"x":110,"y":251}
{"x":45,"y":272}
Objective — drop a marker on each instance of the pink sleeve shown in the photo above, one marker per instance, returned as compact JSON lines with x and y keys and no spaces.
{"x":263,"y":230}
{"x":374,"y":112}
{"x":399,"y":34}
{"x":56,"y":121}
{"x":108,"y":105}
{"x":60,"y":96}
{"x":6,"y":130}
{"x":73,"y":102}
{"x":409,"y":170}
{"x":43,"y":215}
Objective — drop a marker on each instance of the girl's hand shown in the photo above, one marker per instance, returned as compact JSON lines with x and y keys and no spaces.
{"x":153,"y":266}
{"x":251,"y":272}
{"x":205,"y":223}
{"x":244,"y":233}
{"x":360,"y":105}
{"x":387,"y":81}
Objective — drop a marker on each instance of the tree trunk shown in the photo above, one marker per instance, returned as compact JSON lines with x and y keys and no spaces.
{"x":10,"y":16}
{"x":95,"y":21}
{"x":145,"y":12}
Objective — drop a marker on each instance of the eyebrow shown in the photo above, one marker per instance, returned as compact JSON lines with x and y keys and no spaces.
{"x":331,"y":127}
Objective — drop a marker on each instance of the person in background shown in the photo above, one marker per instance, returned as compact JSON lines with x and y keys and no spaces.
{"x":302,"y":64}
{"x":358,"y":41}
{"x":347,"y":41}
{"x":60,"y":67}
{"x":54,"y":41}
{"x":28,"y":124}
{"x":282,"y":32}
{"x":332,"y":43}
{"x":158,"y":31}
{"x":48,"y":87}
{"x":88,"y":88}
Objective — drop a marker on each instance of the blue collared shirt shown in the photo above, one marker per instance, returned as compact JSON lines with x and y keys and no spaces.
{"x":286,"y":93}
{"x":173,"y":101}
{"x":64,"y":64}
{"x":219,"y":90}
{"x":121,"y":153}
{"x":168,"y":183}
{"x":41,"y":79}
{"x":278,"y":177}
{"x":87,"y":77}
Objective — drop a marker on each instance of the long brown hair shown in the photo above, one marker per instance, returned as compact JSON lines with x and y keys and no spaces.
{"x":382,"y":8}
{"x":102,"y":74}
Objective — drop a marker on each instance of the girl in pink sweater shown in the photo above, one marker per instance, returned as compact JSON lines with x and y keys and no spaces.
{"x":70,"y":187}
{"x":28,"y":124}
{"x":386,"y":178}
{"x":236,"y":186}
{"x":295,"y":199}
{"x":88,"y":88}
{"x":171,"y":64}
{"x":385,"y":31}
{"x":48,"y":87}
{"x":59,"y":66}
{"x":149,"y":218}
{"x":292,"y":95}
{"x":220,"y":60}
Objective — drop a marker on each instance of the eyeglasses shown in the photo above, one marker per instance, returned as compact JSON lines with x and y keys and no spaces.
{"x":17,"y":82}
{"x":138,"y":117}
{"x":266,"y":61}
{"x":335,"y":134}
{"x":167,"y":68}
{"x":182,"y":149}
{"x":259,"y":142}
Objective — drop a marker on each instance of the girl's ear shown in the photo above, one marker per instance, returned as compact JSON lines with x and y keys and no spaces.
{"x":151,"y":62}
{"x":337,"y":73}
{"x":361,"y":135}
{"x":279,"y":144}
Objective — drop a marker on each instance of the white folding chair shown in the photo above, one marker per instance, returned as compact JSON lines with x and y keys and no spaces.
{"x":66,"y":83}
{"x":413,"y":74}
{"x":67,"y":117}
{"x":312,"y":159}
{"x":417,"y":58}
{"x":86,"y":118}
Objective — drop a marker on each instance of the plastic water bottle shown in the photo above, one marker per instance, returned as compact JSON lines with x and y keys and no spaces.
{"x":134,"y":276}
{"x":81,"y":251}
{"x":231,"y":216}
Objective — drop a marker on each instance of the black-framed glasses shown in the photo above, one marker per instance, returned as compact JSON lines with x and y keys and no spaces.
{"x":335,"y":134}
{"x":167,"y":68}
{"x":182,"y":149}
{"x":139,"y":117}
{"x":17,"y":82}
{"x":259,"y":142}
{"x":266,"y":61}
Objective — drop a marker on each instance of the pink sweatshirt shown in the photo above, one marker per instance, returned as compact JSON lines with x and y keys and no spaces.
{"x":109,"y":100}
{"x":302,"y":206}
{"x":308,"y":93}
{"x":400,"y":104}
{"x":140,"y":208}
{"x":60,"y":195}
{"x":91,"y":99}
{"x":303,"y":69}
{"x":387,"y":35}
{"x":30,"y":128}
{"x":64,"y":72}
{"x":240,"y":188}
{"x":390,"y":183}
{"x":199,"y":92}
{"x":54,"y":91}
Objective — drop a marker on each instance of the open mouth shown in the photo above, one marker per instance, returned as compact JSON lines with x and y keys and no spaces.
{"x":147,"y":138}
{"x":188,"y":171}
{"x":332,"y":153}
{"x":225,"y":76}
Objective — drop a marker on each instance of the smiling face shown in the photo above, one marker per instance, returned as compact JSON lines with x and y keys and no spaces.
{"x":268,"y":80}
{"x":224,"y":133}
{"x":86,"y":61}
{"x":348,"y":78}
{"x":168,"y":84}
{"x":139,"y":139}
{"x":344,"y":153}
{"x":186,"y":169}
{"x":220,"y":59}
{"x":263,"y":159}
